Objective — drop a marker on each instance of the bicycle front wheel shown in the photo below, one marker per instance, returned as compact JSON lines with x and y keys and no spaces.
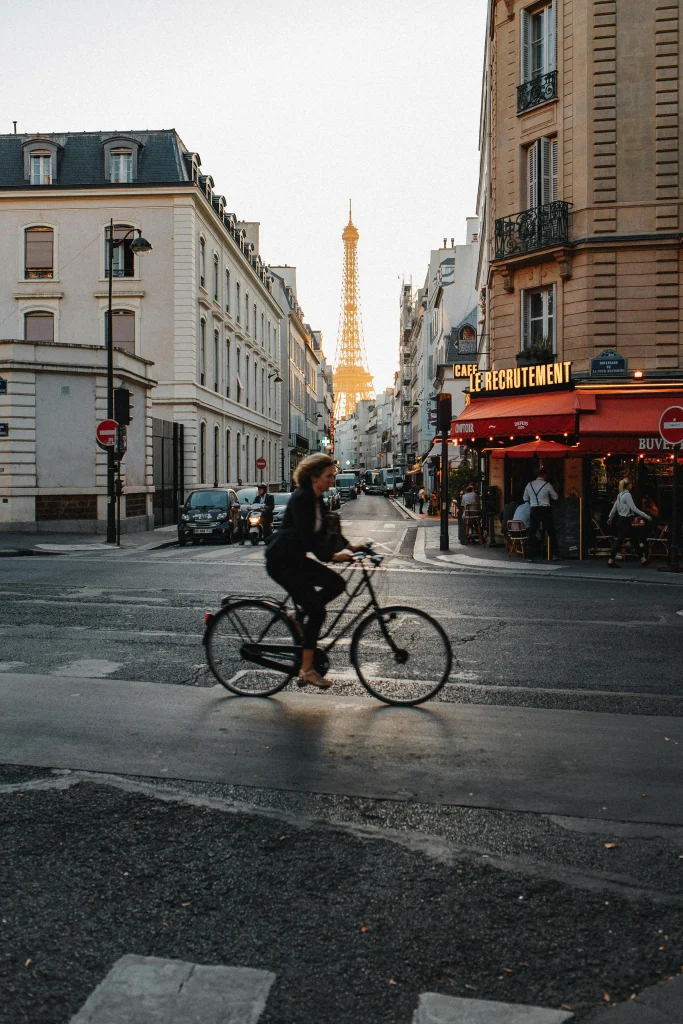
{"x":401,"y":655}
{"x":252,"y":648}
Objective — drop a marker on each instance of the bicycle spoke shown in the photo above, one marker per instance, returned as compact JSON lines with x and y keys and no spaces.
{"x":401,"y":655}
{"x":233,"y":649}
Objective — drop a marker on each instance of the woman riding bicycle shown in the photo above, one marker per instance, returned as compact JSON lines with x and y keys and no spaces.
{"x":304,"y":529}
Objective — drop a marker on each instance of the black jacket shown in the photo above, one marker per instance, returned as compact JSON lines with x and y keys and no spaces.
{"x":297,"y":535}
{"x":268,"y":501}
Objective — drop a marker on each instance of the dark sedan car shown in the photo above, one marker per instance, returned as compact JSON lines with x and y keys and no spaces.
{"x":209,"y":512}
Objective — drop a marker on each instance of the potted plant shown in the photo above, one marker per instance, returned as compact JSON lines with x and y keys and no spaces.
{"x":539,"y":351}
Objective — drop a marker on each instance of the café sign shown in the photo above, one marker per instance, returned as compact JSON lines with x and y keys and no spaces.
{"x":522,"y":379}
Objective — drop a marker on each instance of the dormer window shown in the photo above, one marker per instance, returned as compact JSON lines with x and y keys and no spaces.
{"x":121,"y":157}
{"x":41,"y":168}
{"x":121,"y":166}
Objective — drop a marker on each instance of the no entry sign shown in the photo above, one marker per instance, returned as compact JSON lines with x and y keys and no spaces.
{"x":106,"y":433}
{"x":671,"y":424}
{"x":261,"y":463}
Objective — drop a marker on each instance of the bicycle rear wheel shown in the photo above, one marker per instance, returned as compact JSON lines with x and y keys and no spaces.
{"x":251,"y":629}
{"x":401,"y":655}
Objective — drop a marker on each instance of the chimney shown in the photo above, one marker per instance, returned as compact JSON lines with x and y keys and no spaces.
{"x":15,"y":127}
{"x":452,"y":243}
{"x":444,"y":243}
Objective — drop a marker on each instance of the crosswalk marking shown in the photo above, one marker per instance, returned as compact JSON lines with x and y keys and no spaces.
{"x":437,"y":1009}
{"x":148,"y":989}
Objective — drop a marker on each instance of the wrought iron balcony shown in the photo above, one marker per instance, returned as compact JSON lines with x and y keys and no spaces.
{"x":537,"y":90}
{"x":532,"y":229}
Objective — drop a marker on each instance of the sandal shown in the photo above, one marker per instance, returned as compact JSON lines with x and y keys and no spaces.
{"x":304,"y":680}
{"x":643,"y":560}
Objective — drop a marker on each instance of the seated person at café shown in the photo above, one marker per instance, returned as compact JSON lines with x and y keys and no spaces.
{"x":506,"y":513}
{"x":470,"y":499}
{"x":523,"y":514}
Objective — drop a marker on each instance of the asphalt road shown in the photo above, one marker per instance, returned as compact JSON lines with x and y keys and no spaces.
{"x":491,"y":901}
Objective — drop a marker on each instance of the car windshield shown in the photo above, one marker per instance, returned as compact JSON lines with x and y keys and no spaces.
{"x":281,"y":499}
{"x":346,"y":480}
{"x":247,"y":495}
{"x":208,"y":499}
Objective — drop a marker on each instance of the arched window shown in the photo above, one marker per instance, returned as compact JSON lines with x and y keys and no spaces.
{"x":263,"y":390}
{"x":123,"y":264}
{"x":263,"y":333}
{"x":246,"y":384}
{"x":255,"y":324}
{"x":202,"y":453}
{"x":239,"y":375}
{"x":122,"y":329}
{"x":247,"y":464}
{"x":39,"y":326}
{"x":227,"y":291}
{"x":237,"y":302}
{"x":202,"y":262}
{"x":216,"y":363}
{"x":39,"y":252}
{"x":227,"y":365}
{"x":246,"y":312}
{"x":227,"y":456}
{"x":216,"y":443}
{"x":202,"y":351}
{"x":239,"y":459}
{"x":215,"y":278}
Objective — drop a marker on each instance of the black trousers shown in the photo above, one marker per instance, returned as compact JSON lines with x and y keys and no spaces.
{"x":312,"y":585}
{"x":625,"y":530}
{"x":542,"y":515}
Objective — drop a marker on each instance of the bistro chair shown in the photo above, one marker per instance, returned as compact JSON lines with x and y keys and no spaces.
{"x":516,"y":538}
{"x":603,"y":541}
{"x":473,"y":525}
{"x":661,"y":542}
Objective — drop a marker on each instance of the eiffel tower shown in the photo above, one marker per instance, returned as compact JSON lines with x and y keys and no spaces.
{"x":352,"y":380}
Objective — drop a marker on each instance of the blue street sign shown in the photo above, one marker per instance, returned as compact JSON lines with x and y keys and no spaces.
{"x":608,"y":364}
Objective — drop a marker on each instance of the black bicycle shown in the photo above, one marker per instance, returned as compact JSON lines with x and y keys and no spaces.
{"x":401,"y":655}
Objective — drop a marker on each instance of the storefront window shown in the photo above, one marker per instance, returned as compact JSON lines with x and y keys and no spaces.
{"x":651,"y":477}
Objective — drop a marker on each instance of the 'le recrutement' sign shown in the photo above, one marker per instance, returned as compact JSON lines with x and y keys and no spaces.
{"x":545,"y":376}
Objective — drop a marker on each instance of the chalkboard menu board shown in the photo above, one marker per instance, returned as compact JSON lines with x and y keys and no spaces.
{"x":567,"y":519}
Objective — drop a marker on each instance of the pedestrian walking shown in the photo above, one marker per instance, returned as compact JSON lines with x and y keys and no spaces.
{"x":623,"y":510}
{"x":421,"y":498}
{"x":539,"y":493}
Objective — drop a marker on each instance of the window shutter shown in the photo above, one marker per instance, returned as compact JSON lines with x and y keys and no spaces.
{"x":532,"y":175}
{"x":551,"y":37}
{"x":554,"y":161}
{"x":545,"y":170}
{"x":526,"y":47}
{"x":525,"y":319}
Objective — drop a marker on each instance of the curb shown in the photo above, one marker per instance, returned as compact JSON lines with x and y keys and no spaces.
{"x":23,"y":552}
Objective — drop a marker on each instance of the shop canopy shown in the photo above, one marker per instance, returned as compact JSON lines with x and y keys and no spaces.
{"x":534,"y":450}
{"x":553,"y":413}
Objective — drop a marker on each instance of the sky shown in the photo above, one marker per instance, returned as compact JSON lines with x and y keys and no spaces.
{"x":294,"y":107}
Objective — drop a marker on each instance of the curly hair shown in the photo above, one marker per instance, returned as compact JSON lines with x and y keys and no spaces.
{"x":312,"y":466}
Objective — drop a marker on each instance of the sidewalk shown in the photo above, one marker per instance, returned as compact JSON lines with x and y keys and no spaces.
{"x":13,"y":544}
{"x":487,"y":558}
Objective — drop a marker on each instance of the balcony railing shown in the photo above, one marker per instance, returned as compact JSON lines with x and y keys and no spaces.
{"x":532,"y":229}
{"x":537,"y":90}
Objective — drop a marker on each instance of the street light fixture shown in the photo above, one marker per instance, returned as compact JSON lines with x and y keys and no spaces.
{"x":278,"y":378}
{"x":139,"y":247}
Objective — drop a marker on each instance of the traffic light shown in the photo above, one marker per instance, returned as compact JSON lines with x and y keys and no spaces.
{"x":122,"y":406}
{"x":433,"y":411}
{"x":444,"y":412}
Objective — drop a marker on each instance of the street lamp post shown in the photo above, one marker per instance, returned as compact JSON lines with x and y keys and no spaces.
{"x":140,"y":246}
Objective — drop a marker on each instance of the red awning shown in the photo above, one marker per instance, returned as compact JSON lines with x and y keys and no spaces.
{"x":533,"y":450}
{"x":553,"y":413}
{"x":624,"y":412}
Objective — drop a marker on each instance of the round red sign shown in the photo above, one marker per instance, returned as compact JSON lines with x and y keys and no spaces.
{"x":106,"y":432}
{"x":671,"y":424}
{"x":261,"y":463}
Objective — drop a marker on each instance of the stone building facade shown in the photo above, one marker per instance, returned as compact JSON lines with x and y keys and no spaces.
{"x":582,"y":134}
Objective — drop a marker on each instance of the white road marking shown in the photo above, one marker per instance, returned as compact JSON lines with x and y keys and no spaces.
{"x":87,"y":668}
{"x":434,"y":1008}
{"x":148,"y":989}
{"x":10,"y":666}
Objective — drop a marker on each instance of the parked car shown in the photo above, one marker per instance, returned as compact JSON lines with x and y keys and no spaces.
{"x":335,"y":498}
{"x":209,"y":512}
{"x":281,"y":501}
